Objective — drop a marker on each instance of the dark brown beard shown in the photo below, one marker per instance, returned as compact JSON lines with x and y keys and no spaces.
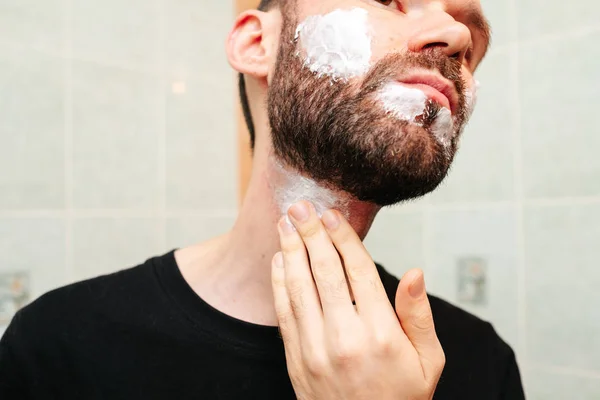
{"x":339,"y":134}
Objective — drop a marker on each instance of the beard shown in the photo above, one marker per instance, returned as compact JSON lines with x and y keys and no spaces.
{"x":340,"y":135}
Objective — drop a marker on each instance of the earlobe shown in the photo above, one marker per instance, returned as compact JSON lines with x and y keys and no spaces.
{"x":247,"y":51}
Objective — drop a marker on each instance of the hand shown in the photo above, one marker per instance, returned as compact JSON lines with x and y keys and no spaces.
{"x":333,"y":349}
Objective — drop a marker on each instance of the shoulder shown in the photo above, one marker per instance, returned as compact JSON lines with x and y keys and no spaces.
{"x":476,"y":356}
{"x":460,"y":330}
{"x":64,"y":309}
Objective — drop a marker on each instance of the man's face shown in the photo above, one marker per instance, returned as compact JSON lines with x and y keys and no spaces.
{"x":370,"y":97}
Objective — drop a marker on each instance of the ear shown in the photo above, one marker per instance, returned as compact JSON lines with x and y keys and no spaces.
{"x":249,"y":46}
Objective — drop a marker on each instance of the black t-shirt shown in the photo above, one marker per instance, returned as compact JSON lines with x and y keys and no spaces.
{"x":143,"y":333}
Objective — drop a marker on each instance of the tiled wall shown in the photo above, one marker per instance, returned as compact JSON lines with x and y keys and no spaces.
{"x":118,"y":143}
{"x":117,"y":133}
{"x":524,"y":197}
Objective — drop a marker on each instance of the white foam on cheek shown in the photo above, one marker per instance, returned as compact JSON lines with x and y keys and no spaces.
{"x":471,"y":97}
{"x":443,"y":127}
{"x":404,"y":103}
{"x":337,"y":44}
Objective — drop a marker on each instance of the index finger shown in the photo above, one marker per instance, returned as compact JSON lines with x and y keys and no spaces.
{"x":369,"y":292}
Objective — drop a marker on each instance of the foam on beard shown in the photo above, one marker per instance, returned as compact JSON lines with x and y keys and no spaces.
{"x":289,"y":187}
{"x":338,"y":45}
{"x":406,"y":104}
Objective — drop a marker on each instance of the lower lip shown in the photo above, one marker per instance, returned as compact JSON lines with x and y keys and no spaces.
{"x":430,"y":92}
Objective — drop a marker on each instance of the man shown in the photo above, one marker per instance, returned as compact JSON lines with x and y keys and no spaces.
{"x":352,"y":106}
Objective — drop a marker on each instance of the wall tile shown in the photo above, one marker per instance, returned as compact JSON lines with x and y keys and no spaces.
{"x":33,"y":23}
{"x":186,"y":231}
{"x":201,"y":146}
{"x":563,"y":317}
{"x":116,"y":123}
{"x":117,"y":32}
{"x":559,"y":86}
{"x":31,"y":130}
{"x":499,"y":15}
{"x":490,"y":236}
{"x":195,"y":37}
{"x":35,"y":246}
{"x":539,"y":17}
{"x":396,"y":240}
{"x":543,"y":385}
{"x":483,"y":168}
{"x":106,"y":245}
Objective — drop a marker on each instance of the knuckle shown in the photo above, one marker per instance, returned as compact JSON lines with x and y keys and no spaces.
{"x":345,"y":236}
{"x":284,"y":316}
{"x":316,"y":364}
{"x":291,"y":245}
{"x":333,"y":288}
{"x":357,"y":269}
{"x":321,"y":266}
{"x":297,"y":303}
{"x":383,"y":344}
{"x":311,"y":229}
{"x":422,"y":321}
{"x":345,"y":353}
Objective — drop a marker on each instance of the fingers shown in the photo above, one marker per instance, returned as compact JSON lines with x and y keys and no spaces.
{"x":324,"y":261}
{"x":369,"y":293}
{"x":283,"y":308}
{"x":414,"y":312}
{"x":301,"y":294}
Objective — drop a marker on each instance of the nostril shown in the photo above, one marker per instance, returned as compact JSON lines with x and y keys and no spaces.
{"x":435,"y":45}
{"x":456,"y":55}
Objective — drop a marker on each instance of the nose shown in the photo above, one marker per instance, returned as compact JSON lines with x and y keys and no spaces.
{"x":437,"y":29}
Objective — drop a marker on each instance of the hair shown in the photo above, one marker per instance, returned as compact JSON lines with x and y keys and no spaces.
{"x":265,"y":5}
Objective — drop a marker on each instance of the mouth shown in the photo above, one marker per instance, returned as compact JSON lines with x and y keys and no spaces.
{"x":437,"y":89}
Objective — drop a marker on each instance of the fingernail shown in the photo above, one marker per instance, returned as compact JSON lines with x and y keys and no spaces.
{"x":417,"y":286}
{"x":299,"y":211}
{"x":286,"y":226}
{"x":278,"y":260}
{"x":330,"y":220}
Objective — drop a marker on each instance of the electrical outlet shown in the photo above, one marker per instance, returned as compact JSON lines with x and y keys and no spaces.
{"x":14,"y":294}
{"x":472,"y":280}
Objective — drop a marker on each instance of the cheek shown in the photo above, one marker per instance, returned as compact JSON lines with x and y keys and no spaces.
{"x":346,"y":43}
{"x":389,"y":35}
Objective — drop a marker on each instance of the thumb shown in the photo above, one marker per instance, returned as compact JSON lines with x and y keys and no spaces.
{"x":414,"y":312}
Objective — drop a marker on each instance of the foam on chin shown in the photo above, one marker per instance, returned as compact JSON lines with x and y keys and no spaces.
{"x":406,"y":104}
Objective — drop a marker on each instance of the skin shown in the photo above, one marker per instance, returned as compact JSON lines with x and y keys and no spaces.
{"x":265,"y":272}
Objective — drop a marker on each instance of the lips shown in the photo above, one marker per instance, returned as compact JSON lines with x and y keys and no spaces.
{"x":435,"y":88}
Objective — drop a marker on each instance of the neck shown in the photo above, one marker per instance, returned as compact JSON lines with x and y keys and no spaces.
{"x":233,"y":272}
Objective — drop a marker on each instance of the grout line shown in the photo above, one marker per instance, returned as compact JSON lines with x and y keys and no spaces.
{"x":67,"y":53}
{"x":68,"y":145}
{"x":560,"y":370}
{"x":162,"y":135}
{"x":518,"y":192}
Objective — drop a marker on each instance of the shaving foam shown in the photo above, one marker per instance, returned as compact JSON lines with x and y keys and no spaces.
{"x":289,"y":187}
{"x":471,"y":97}
{"x":407,"y":104}
{"x":443,"y":127}
{"x":337,"y":44}
{"x":402,"y":102}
